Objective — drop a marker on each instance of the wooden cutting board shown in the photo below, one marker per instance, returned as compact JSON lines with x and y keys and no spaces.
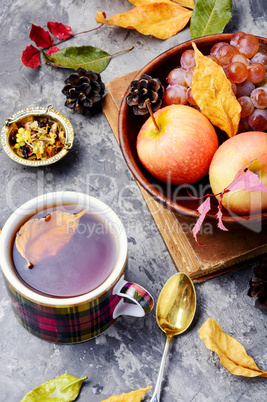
{"x":221,"y":251}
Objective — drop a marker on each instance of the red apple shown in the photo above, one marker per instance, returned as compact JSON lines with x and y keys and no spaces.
{"x":181,"y":151}
{"x":233,"y":155}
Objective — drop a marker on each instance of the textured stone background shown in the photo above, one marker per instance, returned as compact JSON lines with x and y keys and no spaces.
{"x":128,"y":355}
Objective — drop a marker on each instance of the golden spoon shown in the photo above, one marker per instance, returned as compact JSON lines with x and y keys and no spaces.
{"x":175,"y":311}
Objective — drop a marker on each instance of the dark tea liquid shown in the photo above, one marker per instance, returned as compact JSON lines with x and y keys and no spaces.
{"x":82,"y":265}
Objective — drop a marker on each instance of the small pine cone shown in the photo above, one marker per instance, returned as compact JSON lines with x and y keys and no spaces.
{"x":84,"y":91}
{"x":141,"y":90}
{"x":258,"y":286}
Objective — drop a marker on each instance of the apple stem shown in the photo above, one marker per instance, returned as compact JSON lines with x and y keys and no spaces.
{"x":148,"y":105}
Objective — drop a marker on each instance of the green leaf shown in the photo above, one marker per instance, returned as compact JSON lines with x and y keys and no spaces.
{"x":64,"y":388}
{"x":210,"y":17}
{"x":87,"y":57}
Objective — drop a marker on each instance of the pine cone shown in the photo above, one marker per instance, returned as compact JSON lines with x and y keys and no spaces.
{"x":141,"y":90}
{"x":84,"y":91}
{"x":258,"y":286}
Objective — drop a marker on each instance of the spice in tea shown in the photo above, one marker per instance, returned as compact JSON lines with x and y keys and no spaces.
{"x":37,"y":138}
{"x":78,"y":265}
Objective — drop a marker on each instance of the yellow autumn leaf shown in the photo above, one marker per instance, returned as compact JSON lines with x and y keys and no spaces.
{"x":41,"y":238}
{"x":183,"y":3}
{"x":162,"y":20}
{"x":134,"y":396}
{"x":232,"y":354}
{"x":213,"y":94}
{"x":142,"y":2}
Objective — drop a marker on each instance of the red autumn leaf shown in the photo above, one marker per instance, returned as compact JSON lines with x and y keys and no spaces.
{"x":219,"y":215}
{"x":203,"y":209}
{"x":31,"y":57}
{"x":244,"y":180}
{"x":52,"y":50}
{"x":41,"y":37}
{"x":248,"y":181}
{"x":59,"y":30}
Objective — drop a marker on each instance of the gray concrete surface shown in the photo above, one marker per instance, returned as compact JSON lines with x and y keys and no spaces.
{"x":127,"y":356}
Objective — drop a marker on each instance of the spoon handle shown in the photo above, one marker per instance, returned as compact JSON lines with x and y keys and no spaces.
{"x":156,"y":395}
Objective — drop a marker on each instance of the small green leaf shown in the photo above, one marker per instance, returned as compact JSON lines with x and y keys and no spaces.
{"x":64,"y":388}
{"x":87,"y":57}
{"x":210,"y":17}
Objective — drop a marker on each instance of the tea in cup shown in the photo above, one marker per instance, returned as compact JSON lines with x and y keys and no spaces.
{"x":64,"y":256}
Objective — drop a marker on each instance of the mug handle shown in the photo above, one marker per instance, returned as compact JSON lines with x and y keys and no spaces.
{"x":142,"y":300}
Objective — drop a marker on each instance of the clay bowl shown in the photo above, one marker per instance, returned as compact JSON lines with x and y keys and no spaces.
{"x":175,"y":198}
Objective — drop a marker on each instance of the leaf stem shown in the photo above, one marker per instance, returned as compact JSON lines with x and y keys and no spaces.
{"x":78,"y":33}
{"x":148,"y":105}
{"x":121,"y":51}
{"x":90,"y":30}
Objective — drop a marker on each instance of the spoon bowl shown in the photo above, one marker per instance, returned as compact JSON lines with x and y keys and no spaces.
{"x":176,"y":307}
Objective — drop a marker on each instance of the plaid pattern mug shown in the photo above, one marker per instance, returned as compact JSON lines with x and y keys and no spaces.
{"x":76,"y":318}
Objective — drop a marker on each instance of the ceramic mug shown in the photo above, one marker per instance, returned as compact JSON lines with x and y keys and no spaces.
{"x":78,"y":318}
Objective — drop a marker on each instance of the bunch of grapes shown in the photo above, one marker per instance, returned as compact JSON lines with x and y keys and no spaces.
{"x":244,"y":62}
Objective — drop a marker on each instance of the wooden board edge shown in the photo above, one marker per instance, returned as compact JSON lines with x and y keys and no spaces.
{"x":238,"y":263}
{"x":111,"y":112}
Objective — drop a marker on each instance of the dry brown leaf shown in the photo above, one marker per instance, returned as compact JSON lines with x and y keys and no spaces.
{"x":42,"y":238}
{"x":183,"y":3}
{"x":142,"y":2}
{"x":213,"y":94}
{"x":232,"y":354}
{"x":161,"y":20}
{"x":134,"y":396}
